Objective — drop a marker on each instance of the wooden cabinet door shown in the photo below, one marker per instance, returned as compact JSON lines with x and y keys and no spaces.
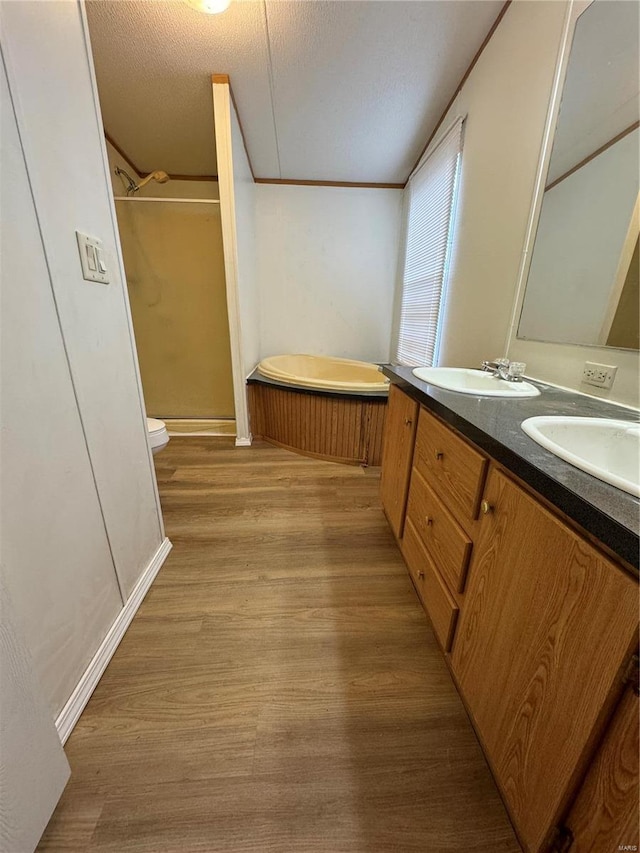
{"x":548,"y":624}
{"x":397,"y":454}
{"x":605,"y":813}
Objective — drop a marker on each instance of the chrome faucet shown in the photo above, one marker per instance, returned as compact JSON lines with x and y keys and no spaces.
{"x":502,"y":368}
{"x":499,"y":367}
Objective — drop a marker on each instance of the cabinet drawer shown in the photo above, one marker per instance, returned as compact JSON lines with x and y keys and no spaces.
{"x":436,"y":598}
{"x":446,"y":541}
{"x":454,"y":469}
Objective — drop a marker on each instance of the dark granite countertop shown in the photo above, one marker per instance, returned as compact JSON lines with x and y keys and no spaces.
{"x":493,"y":424}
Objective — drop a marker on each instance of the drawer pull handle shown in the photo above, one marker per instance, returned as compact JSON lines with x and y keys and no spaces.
{"x":428,"y":520}
{"x":408,"y":421}
{"x":439,"y":454}
{"x":421,"y":575}
{"x":486,"y":507}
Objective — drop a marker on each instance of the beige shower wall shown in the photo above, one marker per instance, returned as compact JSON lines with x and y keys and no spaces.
{"x":175,"y":276}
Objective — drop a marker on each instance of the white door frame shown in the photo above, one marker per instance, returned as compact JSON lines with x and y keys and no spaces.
{"x":224,"y":155}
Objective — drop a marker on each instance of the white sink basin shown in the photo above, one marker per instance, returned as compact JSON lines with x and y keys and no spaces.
{"x":478,"y":382}
{"x":607,"y":449}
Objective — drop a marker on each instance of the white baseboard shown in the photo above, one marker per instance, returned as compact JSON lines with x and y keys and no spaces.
{"x":76,"y":703}
{"x":244,"y":442}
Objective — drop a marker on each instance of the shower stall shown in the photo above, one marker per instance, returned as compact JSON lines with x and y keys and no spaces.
{"x":173,"y":257}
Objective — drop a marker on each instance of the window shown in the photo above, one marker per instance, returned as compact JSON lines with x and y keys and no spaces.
{"x":430,"y":212}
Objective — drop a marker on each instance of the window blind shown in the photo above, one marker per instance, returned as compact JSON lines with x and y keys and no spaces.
{"x":428,"y":235}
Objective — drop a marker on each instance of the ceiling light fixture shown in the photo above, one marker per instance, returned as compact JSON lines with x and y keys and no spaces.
{"x":210,"y":7}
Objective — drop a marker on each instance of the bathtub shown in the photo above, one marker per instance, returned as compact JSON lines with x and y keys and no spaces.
{"x":324,"y":373}
{"x":327,"y":408}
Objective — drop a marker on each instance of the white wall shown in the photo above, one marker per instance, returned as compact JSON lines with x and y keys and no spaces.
{"x":49,"y":70}
{"x":506,"y":99}
{"x":582,"y":229}
{"x":245,"y":203}
{"x":326,"y":261}
{"x":564,"y":363}
{"x":80,"y":514}
{"x":55,"y":553}
{"x":34,"y":767}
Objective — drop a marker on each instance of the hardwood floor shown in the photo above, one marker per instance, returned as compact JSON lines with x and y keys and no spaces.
{"x":279,"y":689}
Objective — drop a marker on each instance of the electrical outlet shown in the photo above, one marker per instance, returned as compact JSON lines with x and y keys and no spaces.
{"x":600,"y":375}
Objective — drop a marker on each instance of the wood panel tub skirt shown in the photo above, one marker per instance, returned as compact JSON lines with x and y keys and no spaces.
{"x":337,"y":427}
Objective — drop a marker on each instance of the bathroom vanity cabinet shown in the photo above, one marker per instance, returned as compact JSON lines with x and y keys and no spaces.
{"x":402,"y":420}
{"x":607,"y":803}
{"x":547,"y":628}
{"x":538,"y":626}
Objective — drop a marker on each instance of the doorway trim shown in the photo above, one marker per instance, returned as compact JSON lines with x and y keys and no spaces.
{"x":224,"y":156}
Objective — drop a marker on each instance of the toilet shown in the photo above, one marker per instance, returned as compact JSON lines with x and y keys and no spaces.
{"x":158,"y":435}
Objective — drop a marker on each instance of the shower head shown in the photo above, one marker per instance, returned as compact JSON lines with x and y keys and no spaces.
{"x":159,"y":176}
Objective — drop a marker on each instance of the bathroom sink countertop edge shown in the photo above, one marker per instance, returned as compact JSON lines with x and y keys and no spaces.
{"x":605,"y":512}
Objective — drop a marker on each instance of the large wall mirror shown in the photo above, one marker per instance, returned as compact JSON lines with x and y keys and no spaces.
{"x":582,"y":286}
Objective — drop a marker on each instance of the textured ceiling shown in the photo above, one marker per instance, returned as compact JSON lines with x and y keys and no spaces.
{"x":344,"y":90}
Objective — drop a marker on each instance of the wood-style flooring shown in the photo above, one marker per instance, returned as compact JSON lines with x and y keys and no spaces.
{"x":280,"y":688}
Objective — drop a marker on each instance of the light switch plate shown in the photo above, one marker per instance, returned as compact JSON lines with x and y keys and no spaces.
{"x":92,"y":259}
